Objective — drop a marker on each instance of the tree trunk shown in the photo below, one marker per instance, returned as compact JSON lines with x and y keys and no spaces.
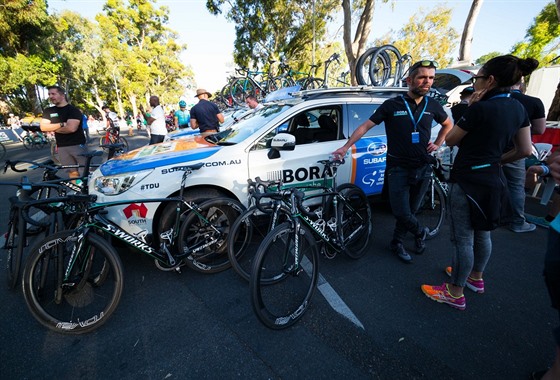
{"x":356,"y":47}
{"x":466,"y":38}
{"x":33,"y":98}
{"x":554,"y":110}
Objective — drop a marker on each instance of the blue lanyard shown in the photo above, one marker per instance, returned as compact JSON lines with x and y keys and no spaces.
{"x":500,"y":96}
{"x":415,"y":122}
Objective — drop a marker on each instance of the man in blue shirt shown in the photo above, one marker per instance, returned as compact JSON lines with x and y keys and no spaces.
{"x":182,"y":117}
{"x":205,"y":115}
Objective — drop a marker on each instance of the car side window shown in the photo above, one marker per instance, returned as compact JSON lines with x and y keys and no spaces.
{"x":358,"y":113}
{"x":317,"y":125}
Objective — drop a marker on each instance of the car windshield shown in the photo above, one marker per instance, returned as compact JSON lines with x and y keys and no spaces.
{"x":250,"y":124}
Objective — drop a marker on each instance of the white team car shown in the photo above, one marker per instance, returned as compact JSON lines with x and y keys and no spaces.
{"x":305,"y":128}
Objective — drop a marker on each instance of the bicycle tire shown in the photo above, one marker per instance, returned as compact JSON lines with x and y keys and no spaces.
{"x":362,"y":67}
{"x":104,"y":141}
{"x":240,"y":89}
{"x":96,"y":278}
{"x":355,"y":219}
{"x":14,"y":252}
{"x":123,"y":141}
{"x":382,"y":67}
{"x":27,"y":143}
{"x":313,"y":83}
{"x":3,"y":152}
{"x":283,"y":303}
{"x":206,"y":230}
{"x":432,"y":210}
{"x":246,"y":234}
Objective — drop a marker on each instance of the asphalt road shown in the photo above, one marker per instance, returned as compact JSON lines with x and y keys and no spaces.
{"x":191,"y":325}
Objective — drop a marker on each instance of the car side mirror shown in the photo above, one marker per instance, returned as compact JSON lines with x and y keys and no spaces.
{"x":282,"y":141}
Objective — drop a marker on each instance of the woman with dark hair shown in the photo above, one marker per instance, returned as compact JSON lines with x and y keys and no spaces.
{"x":478,"y":195}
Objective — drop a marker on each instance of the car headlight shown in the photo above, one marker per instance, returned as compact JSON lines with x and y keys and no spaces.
{"x":118,"y":184}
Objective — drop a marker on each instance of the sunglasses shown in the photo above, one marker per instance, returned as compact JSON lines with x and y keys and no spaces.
{"x":424,"y":63}
{"x":475,"y":78}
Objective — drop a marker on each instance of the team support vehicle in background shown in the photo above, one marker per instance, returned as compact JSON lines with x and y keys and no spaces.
{"x":284,"y":140}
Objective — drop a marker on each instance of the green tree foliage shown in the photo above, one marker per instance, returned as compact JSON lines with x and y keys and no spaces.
{"x":25,"y":60}
{"x":427,"y":35}
{"x":486,"y":57}
{"x":269,"y":30}
{"x":140,"y":52}
{"x":542,"y":40}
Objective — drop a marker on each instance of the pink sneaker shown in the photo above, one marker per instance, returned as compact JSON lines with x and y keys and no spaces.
{"x":441,"y":294}
{"x":476,"y":286}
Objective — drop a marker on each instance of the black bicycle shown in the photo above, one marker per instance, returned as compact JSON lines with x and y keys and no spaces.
{"x":433,"y":209}
{"x":73,"y":280}
{"x":286,"y":267}
{"x":41,"y":215}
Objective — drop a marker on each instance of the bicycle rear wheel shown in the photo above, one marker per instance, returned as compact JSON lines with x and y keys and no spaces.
{"x":431,"y":212}
{"x":355,"y":219}
{"x":283,"y":303}
{"x":313,"y":83}
{"x":89,"y":296}
{"x":203,"y":235}
{"x":28,"y":142}
{"x":247,"y":233}
{"x":123,"y":141}
{"x":241,"y":88}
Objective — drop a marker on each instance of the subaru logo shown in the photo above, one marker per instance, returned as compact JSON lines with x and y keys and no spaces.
{"x":377,"y":148}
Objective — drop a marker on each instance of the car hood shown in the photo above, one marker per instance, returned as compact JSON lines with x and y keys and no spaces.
{"x":195,"y":148}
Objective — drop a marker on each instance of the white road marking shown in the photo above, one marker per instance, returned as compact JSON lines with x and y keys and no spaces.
{"x":332,"y":296}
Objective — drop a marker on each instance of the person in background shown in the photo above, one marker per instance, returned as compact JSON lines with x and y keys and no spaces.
{"x":515,"y":171}
{"x":13,"y":121}
{"x":129,"y":125}
{"x":111,"y":118}
{"x":156,"y":121}
{"x":459,"y":109}
{"x":478,"y":197}
{"x":182,"y":117}
{"x":85,"y":127}
{"x":205,"y":116}
{"x":552,"y":274}
{"x":408,"y":125}
{"x":253,"y":103}
{"x":65,"y":121}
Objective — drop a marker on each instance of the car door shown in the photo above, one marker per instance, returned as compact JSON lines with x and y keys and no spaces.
{"x":368,"y":154}
{"x":299,"y":166}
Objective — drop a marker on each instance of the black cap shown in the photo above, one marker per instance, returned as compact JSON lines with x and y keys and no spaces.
{"x":467,"y":90}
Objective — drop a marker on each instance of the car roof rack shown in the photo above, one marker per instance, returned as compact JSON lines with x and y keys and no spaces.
{"x":358,"y":90}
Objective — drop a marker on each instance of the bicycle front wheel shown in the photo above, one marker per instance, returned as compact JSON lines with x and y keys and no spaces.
{"x":295,"y":266}
{"x":431,"y":212}
{"x":89,"y":295}
{"x":355,"y":220}
{"x":247,"y":233}
{"x":203,"y":235}
{"x":14,"y":251}
{"x":2,"y":152}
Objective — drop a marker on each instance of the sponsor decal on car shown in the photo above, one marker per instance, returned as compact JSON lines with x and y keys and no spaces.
{"x":370,"y":166}
{"x":136,"y":213}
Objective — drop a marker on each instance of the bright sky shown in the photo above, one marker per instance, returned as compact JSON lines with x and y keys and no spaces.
{"x":209,"y":39}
